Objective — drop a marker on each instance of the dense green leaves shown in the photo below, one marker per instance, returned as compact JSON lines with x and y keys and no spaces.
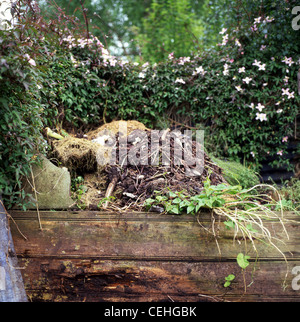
{"x":243,"y":91}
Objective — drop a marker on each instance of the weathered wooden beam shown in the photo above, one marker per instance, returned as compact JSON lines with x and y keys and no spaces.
{"x":100,"y":256}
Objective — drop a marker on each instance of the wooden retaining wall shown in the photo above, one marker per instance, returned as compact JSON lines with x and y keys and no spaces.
{"x":96,"y":256}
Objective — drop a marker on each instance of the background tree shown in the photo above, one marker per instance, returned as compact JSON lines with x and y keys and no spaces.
{"x":171,"y":26}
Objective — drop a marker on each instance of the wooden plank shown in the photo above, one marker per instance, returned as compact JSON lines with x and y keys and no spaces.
{"x":145,"y":237}
{"x":95,"y":280}
{"x":96,"y":256}
{"x":104,"y":215}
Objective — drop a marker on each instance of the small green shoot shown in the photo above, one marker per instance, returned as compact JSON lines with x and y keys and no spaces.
{"x":228,"y":280}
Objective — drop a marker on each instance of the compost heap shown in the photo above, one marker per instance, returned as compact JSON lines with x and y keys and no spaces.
{"x":123,"y":185}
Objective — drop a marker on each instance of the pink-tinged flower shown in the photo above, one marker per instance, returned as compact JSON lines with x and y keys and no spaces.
{"x":261,"y":116}
{"x":225,"y":40}
{"x":242,"y":70}
{"x":226,"y":70}
{"x":288,"y":61}
{"x":285,"y":139}
{"x":199,"y":70}
{"x":268,"y":19}
{"x":260,"y":107}
{"x":257,"y":20}
{"x":256,"y":63}
{"x":183,"y":60}
{"x":222,"y":32}
{"x":237,"y":42}
{"x":259,"y":65}
{"x":247,"y":80}
{"x":254,"y":28}
{"x":287,"y":93}
{"x":31,"y":62}
{"x":179,"y":80}
{"x":171,"y":56}
{"x":112,"y":61}
{"x":263,"y":47}
{"x":280,"y":152}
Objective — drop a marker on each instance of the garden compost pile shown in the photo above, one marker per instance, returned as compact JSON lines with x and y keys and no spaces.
{"x":132,"y":178}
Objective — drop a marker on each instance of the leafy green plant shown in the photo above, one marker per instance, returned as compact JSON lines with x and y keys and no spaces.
{"x":241,"y":210}
{"x":105,"y":200}
{"x":242,"y":260}
{"x":290,"y":194}
{"x":228,"y":280}
{"x":79,"y":189}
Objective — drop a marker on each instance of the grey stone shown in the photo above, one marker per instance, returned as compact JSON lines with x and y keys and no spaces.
{"x":52,"y":185}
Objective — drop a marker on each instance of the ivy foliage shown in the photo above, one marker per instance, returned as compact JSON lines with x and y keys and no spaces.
{"x":20,"y":114}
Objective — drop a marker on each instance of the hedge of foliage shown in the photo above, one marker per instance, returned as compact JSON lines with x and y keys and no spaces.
{"x":20,"y":115}
{"x":243,"y":92}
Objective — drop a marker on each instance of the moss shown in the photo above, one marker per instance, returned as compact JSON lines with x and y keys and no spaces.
{"x":235,"y":173}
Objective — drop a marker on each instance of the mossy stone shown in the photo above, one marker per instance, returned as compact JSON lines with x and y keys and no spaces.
{"x":52,"y":184}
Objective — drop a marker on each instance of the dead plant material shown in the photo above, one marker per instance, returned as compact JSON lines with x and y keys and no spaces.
{"x":76,"y":153}
{"x":141,"y":180}
{"x":113,"y":128}
{"x":138,"y":169}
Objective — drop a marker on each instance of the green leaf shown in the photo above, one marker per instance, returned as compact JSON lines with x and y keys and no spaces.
{"x":227,"y":284}
{"x":190,"y":209}
{"x":228,"y":280}
{"x":242,"y":260}
{"x":229,"y":224}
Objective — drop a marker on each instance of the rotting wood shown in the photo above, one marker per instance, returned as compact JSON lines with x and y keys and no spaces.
{"x":99,"y":256}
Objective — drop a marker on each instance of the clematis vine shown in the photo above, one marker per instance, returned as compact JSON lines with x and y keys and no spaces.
{"x":286,"y":91}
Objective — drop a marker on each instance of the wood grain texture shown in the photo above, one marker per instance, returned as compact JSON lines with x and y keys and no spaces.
{"x":96,"y":256}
